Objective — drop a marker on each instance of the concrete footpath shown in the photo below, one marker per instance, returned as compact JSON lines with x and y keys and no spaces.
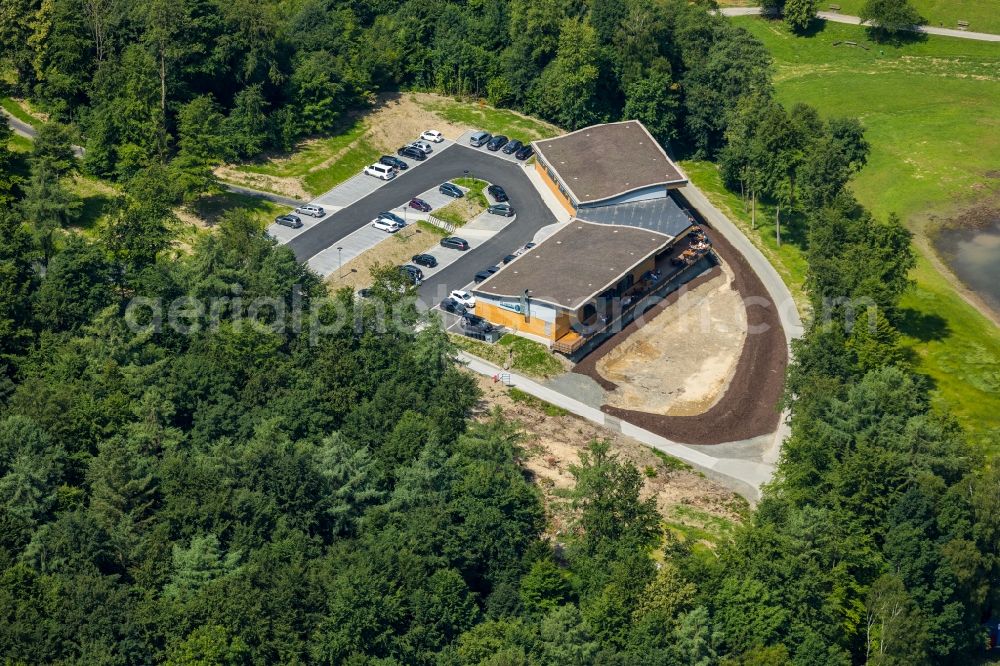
{"x":742,"y":475}
{"x":743,"y":466}
{"x":854,"y":20}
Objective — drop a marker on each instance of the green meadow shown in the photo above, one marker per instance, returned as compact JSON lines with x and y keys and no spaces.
{"x":929,"y":108}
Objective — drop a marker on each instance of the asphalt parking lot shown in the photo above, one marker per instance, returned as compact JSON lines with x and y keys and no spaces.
{"x":450,"y":162}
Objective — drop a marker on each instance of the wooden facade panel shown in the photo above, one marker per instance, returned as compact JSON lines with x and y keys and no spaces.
{"x":514,"y":321}
{"x":563,"y":199}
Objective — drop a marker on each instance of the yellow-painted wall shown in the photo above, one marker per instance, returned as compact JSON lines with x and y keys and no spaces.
{"x":555,"y":188}
{"x":513,"y":320}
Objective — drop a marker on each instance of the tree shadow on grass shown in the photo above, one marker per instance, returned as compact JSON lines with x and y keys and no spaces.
{"x":211,"y":207}
{"x":923,"y":326}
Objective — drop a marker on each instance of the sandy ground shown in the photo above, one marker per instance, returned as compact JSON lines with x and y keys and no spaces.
{"x":396,"y":119}
{"x":553,"y":443}
{"x":680,"y":363}
{"x":396,"y":250}
{"x":399,"y":119}
{"x":284,"y":185}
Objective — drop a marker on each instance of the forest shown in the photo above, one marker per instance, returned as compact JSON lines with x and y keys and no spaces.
{"x":262,"y":491}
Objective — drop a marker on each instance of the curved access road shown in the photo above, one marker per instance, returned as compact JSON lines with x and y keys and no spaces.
{"x":854,"y":20}
{"x":451,"y":162}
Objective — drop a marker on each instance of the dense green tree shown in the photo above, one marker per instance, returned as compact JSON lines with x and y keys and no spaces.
{"x":53,"y":147}
{"x":566,"y":89}
{"x":202,"y":146}
{"x":654,"y":102}
{"x":76,"y":286}
{"x":48,"y":206}
{"x":889,"y":19}
{"x":799,"y":13}
{"x":607,"y":496}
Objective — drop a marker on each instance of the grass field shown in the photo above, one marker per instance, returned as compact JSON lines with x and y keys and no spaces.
{"x":321,"y":163}
{"x":495,"y":121}
{"x":529,"y":357}
{"x":16,"y":110}
{"x":211,"y":207}
{"x":788,"y":258}
{"x":930,"y":112}
{"x":982,"y":15}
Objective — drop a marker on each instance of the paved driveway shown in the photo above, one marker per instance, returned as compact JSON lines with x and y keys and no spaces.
{"x":449,"y":162}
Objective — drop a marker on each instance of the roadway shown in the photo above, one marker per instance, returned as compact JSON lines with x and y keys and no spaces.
{"x":451,"y":162}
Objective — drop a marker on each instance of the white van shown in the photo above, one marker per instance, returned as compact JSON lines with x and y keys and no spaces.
{"x":380,"y":171}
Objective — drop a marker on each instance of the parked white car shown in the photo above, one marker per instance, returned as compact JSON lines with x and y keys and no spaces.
{"x":311,"y":210}
{"x":380,"y":171}
{"x":463,"y":297}
{"x":423,"y":147}
{"x":385,"y":225}
{"x":432,"y":135}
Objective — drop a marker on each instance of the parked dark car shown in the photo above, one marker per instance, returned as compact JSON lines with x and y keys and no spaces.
{"x":528,"y":246}
{"x":454,"y":307}
{"x":364,"y":293}
{"x":291,"y":221}
{"x":424,"y":260}
{"x":479,"y":138}
{"x":414,"y":274}
{"x":475,"y":324}
{"x":512,"y":147}
{"x":451,"y":190}
{"x":420,"y":204}
{"x":497,"y":142}
{"x":497,"y":193}
{"x":503,"y":209}
{"x":455,"y":243}
{"x":525,"y":152}
{"x":485,"y":273}
{"x":395,"y":162}
{"x":412,"y":153}
{"x":385,"y":215}
{"x":509,"y":258}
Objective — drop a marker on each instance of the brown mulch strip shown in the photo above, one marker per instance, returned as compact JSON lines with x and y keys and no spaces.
{"x":749,"y":408}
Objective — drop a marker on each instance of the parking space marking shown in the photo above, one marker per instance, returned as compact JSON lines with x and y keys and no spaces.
{"x":347,"y":193}
{"x":354,"y":244}
{"x":464,"y":140}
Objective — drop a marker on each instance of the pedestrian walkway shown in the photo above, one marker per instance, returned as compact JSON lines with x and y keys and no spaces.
{"x":854,"y":20}
{"x":745,"y":476}
{"x":558,"y":210}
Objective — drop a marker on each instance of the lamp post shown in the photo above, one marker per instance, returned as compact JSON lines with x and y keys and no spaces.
{"x":340,"y":261}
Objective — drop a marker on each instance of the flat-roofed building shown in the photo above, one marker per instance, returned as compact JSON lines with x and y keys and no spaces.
{"x":550,"y":290}
{"x":606,"y":165}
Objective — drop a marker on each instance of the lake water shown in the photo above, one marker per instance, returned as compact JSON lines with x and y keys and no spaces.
{"x":974,"y":256}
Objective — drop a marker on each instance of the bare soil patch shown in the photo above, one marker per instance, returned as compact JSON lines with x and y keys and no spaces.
{"x":682,"y":360}
{"x":749,"y":407}
{"x":553,"y":443}
{"x":399,"y":119}
{"x":284,"y":185}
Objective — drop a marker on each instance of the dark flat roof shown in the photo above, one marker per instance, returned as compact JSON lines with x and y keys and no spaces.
{"x":574,"y":264}
{"x":604,"y":161}
{"x":663,"y":215}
